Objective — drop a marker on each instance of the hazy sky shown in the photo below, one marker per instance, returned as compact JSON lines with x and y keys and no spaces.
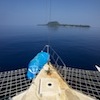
{"x":32,"y":12}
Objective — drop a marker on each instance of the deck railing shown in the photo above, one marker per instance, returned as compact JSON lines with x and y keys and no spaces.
{"x":53,"y":55}
{"x":55,"y":59}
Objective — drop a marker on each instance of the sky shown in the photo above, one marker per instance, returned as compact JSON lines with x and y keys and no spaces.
{"x":33,"y":12}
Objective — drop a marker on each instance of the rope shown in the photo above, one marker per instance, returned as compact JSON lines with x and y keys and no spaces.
{"x":49,"y":10}
{"x":48,"y":34}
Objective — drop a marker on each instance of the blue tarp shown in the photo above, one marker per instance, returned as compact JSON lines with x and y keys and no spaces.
{"x":37,"y":64}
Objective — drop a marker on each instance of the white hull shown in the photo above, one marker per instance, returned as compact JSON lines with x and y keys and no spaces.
{"x":50,"y":86}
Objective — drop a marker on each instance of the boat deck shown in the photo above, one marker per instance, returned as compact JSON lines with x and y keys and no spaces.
{"x":87,"y":82}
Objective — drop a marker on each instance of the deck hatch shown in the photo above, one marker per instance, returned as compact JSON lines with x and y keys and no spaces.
{"x":49,"y":86}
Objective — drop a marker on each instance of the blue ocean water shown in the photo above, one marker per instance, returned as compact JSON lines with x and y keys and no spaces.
{"x":78,"y":47}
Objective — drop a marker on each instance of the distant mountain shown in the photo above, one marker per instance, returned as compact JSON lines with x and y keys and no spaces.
{"x":56,"y":24}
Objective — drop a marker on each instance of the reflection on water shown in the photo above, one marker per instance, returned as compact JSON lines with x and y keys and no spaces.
{"x":78,"y":47}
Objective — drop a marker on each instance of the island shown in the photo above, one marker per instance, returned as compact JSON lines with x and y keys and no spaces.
{"x":56,"y":24}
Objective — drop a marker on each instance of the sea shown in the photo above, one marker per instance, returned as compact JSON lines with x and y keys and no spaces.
{"x":78,"y":47}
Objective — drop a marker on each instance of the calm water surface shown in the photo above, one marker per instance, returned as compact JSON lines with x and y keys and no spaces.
{"x":78,"y":47}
